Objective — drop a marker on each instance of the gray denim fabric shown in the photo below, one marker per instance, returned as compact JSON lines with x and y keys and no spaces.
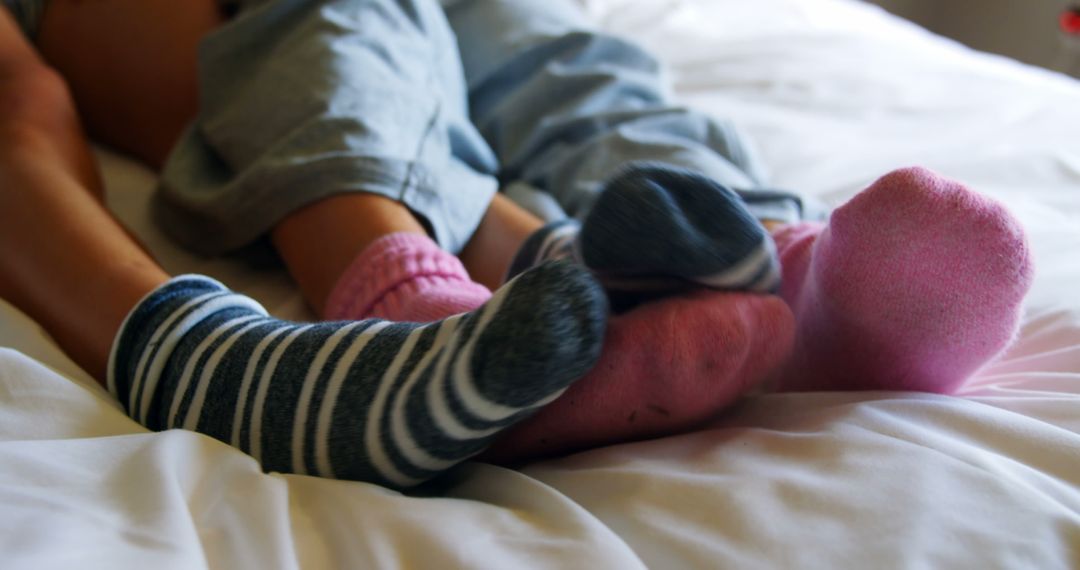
{"x":435,"y":106}
{"x":27,"y":13}
{"x":565,"y":106}
{"x":301,"y":100}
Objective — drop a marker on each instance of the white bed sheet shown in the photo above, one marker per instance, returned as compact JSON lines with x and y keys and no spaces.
{"x":835,"y":93}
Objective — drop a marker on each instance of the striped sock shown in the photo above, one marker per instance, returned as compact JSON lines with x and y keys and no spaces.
{"x":557,"y":240}
{"x":655,"y":229}
{"x":390,"y":403}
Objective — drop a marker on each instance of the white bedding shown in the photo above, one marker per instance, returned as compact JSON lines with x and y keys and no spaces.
{"x":835,"y":93}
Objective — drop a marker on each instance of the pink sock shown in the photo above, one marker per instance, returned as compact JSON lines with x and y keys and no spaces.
{"x":666,"y":367}
{"x":914,"y":284}
{"x":404,"y":277}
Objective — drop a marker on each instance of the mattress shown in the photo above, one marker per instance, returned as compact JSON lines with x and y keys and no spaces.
{"x":834,"y":93}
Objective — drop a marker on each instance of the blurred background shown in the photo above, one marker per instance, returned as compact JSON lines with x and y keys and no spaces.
{"x":1027,"y":30}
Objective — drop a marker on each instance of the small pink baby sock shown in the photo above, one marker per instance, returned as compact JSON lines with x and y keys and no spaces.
{"x":666,"y":367}
{"x":404,"y":277}
{"x":914,"y":284}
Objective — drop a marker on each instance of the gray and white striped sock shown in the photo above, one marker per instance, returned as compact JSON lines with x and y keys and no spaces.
{"x":390,"y":403}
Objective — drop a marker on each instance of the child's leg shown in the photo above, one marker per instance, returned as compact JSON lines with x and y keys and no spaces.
{"x":371,"y":137}
{"x":914,"y":284}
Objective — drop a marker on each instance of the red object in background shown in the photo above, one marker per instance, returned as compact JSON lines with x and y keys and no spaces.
{"x":1070,"y":21}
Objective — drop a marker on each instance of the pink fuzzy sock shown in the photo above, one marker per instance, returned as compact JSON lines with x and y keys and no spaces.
{"x":404,"y":277}
{"x":914,"y":284}
{"x":666,"y":367}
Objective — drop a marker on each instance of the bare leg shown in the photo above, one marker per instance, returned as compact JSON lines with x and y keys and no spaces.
{"x":320,"y":241}
{"x":503,"y":229}
{"x":63,"y":259}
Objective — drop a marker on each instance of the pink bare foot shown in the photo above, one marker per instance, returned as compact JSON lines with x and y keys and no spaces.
{"x":666,"y":367}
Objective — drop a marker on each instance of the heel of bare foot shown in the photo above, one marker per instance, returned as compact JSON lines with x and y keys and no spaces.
{"x":666,"y":366}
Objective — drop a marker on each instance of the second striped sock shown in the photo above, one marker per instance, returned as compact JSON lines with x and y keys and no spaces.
{"x":654,"y":230}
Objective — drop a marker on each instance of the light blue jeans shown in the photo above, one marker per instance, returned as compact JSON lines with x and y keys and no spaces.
{"x":434,"y":105}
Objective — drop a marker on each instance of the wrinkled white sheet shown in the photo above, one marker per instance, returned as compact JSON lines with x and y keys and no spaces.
{"x":835,"y":93}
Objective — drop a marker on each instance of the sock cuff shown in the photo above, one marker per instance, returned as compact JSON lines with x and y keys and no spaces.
{"x":157,"y":322}
{"x":546,"y":243}
{"x":786,"y":236}
{"x":383,"y":266}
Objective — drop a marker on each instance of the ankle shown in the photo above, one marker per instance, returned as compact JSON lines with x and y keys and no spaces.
{"x":320,"y":241}
{"x":391,"y":271}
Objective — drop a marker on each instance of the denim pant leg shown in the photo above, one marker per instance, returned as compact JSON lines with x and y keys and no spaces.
{"x":300,"y":100}
{"x":565,"y":106}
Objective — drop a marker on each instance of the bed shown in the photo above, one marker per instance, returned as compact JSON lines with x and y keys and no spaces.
{"x":835,"y":93}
